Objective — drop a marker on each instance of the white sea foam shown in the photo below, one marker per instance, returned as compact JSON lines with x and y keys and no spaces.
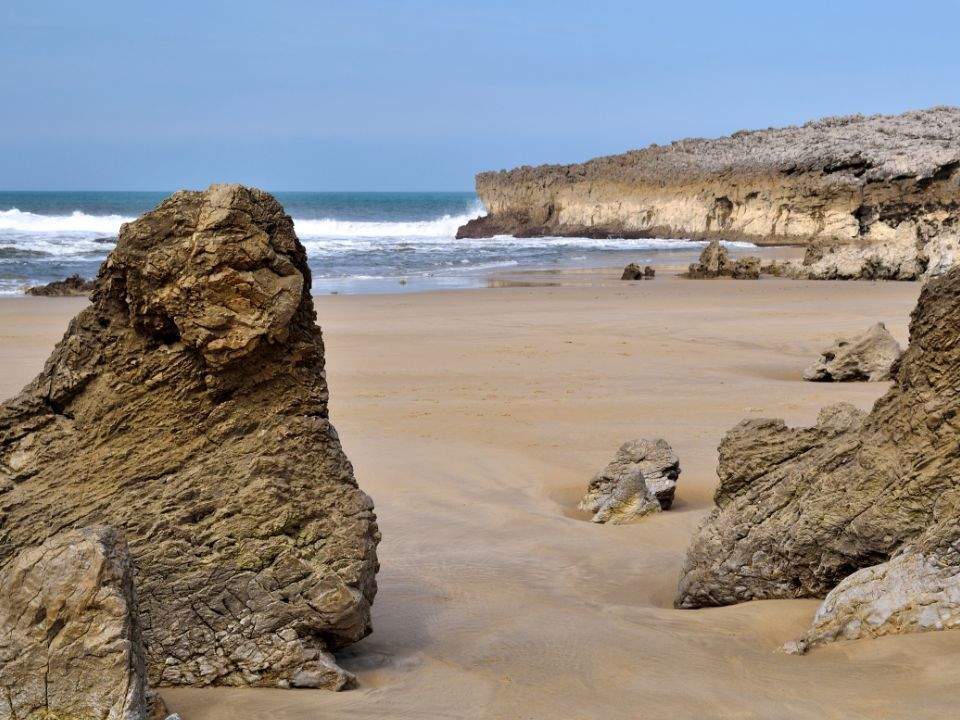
{"x":76,"y":234}
{"x":76,"y":222}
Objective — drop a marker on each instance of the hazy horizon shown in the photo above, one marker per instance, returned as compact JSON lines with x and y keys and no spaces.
{"x":419,"y":96}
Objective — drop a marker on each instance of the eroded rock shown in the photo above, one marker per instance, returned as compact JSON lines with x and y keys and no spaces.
{"x":71,"y":286}
{"x":634,"y":272}
{"x":187,"y":406}
{"x":70,"y":644}
{"x":716,"y":262}
{"x":641,"y":479}
{"x":867,"y":357}
{"x":800,"y":510}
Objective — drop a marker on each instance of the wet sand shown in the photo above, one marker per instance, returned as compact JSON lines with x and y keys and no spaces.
{"x":475,"y":420}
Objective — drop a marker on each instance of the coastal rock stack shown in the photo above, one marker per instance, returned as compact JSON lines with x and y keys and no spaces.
{"x":873,"y":197}
{"x":801,"y":511}
{"x":187,"y":408}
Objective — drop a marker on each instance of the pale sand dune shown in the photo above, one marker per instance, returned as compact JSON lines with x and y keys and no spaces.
{"x":475,"y":420}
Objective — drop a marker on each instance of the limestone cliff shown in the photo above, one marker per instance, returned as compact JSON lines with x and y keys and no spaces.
{"x":864,"y":182}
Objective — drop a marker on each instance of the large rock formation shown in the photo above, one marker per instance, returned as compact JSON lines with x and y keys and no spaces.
{"x":70,"y":643}
{"x":883,"y":191}
{"x":187,"y":407}
{"x":868,"y":357}
{"x":799,"y":511}
{"x":641,"y":479}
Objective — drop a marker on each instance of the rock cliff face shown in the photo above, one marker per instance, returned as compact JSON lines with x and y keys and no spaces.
{"x":801,"y":510}
{"x":187,"y":407}
{"x":852,"y":184}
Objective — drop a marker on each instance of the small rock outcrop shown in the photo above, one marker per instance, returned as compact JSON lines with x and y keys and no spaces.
{"x":70,"y":644}
{"x":715,"y":262}
{"x":801,"y":511}
{"x":635,"y":272}
{"x":746,"y":268}
{"x":187,"y":407}
{"x":867,"y":357}
{"x":641,"y":479}
{"x":74,"y":285}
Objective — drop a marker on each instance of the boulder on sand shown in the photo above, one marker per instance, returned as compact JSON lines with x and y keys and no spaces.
{"x":641,"y":479}
{"x":70,"y":644}
{"x":801,"y":511}
{"x":68,"y":287}
{"x":187,"y":407}
{"x":715,"y":262}
{"x":635,"y":272}
{"x":865,"y":357}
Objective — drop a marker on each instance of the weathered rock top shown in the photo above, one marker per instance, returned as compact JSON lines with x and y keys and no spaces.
{"x":855,"y":148}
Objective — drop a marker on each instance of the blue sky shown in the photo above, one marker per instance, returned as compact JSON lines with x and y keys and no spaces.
{"x":419,"y":95}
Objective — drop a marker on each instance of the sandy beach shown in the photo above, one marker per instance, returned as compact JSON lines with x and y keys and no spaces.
{"x":476,"y":418}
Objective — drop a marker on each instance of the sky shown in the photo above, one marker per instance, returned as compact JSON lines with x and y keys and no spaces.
{"x":422,"y":94}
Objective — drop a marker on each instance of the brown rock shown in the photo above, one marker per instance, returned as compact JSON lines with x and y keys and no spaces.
{"x":641,"y":479}
{"x":800,"y":510}
{"x":187,"y":406}
{"x":70,"y":644}
{"x":71,"y":286}
{"x":746,"y":268}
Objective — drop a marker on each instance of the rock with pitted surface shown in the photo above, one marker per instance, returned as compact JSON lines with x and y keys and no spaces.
{"x":641,"y":479}
{"x":800,"y":511}
{"x":881,"y":191}
{"x":867,"y":357}
{"x":73,"y":286}
{"x":70,"y":644}
{"x":187,"y":407}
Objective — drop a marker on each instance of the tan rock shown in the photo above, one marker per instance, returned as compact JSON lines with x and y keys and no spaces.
{"x":641,"y":479}
{"x":70,"y":644}
{"x":800,"y":510}
{"x":187,"y":406}
{"x":867,"y":357}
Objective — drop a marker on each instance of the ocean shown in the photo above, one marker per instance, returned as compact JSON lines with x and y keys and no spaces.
{"x":356,"y":242}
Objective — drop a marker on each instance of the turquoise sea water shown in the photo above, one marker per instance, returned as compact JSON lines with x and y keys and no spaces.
{"x":356,"y":242}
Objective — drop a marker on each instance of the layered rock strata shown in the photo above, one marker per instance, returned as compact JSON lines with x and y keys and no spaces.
{"x":70,"y":644}
{"x":641,"y":479}
{"x":187,"y":407}
{"x":867,"y":357}
{"x":801,"y":511}
{"x":879,"y":195}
